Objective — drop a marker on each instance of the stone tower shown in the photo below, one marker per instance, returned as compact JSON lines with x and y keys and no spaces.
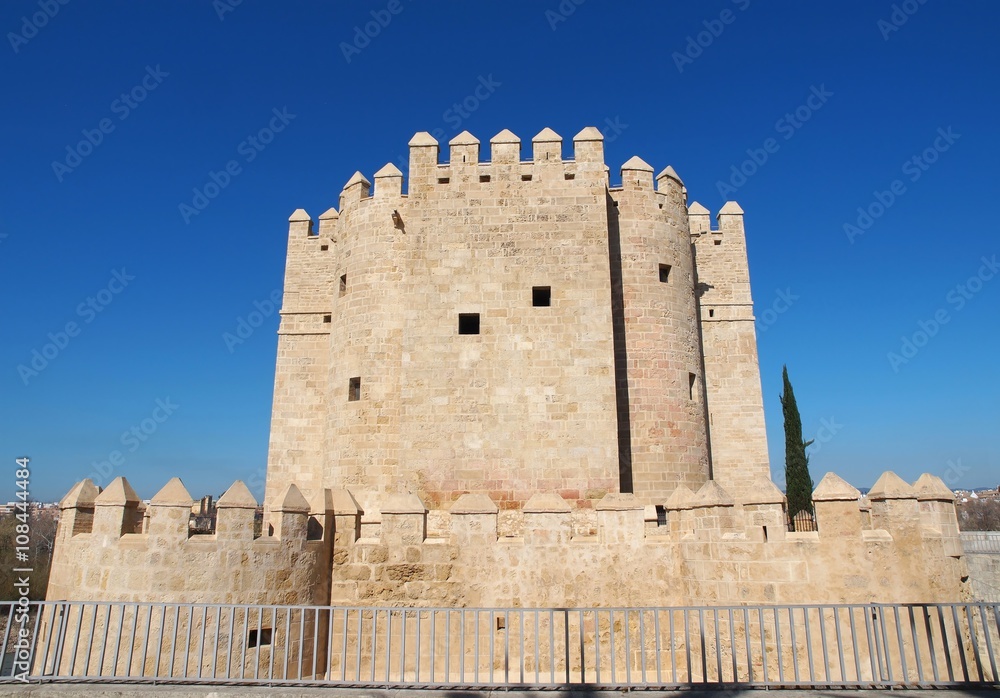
{"x":510,"y":327}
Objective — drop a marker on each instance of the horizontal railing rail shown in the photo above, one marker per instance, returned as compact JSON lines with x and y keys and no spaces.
{"x":824,"y":645}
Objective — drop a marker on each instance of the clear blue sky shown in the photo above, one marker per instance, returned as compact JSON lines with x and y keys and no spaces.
{"x":847,"y":299}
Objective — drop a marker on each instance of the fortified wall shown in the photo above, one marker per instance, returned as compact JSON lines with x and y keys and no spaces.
{"x":508,"y":327}
{"x":515,"y":385}
{"x":901,"y":544}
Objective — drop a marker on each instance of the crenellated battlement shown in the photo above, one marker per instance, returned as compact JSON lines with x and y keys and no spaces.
{"x":711,"y":548}
{"x":111,"y":547}
{"x":707,"y":547}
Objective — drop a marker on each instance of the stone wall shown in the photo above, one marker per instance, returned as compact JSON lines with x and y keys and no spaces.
{"x":598,"y":385}
{"x":899,"y":545}
{"x":107,"y":549}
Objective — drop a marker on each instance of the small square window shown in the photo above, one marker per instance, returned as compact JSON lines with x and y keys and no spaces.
{"x":569,"y":175}
{"x":324,"y":248}
{"x":541,"y":296}
{"x":354,"y":389}
{"x":327,"y":319}
{"x":343,"y":284}
{"x":484,"y":178}
{"x":263,"y":638}
{"x":664,"y":273}
{"x":468,"y":323}
{"x":717,"y":242}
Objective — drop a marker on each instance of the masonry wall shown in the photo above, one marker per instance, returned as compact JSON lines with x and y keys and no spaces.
{"x":604,"y":389}
{"x":713,"y":550}
{"x":296,"y":451}
{"x":732,"y":370}
{"x":108,"y":550}
{"x":662,"y":357}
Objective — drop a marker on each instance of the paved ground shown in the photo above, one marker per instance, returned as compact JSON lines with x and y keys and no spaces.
{"x":112,"y":691}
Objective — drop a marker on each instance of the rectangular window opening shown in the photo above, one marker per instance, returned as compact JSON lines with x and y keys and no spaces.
{"x":343,"y":284}
{"x":717,"y":242}
{"x":664,"y":273}
{"x":661,"y":515}
{"x":711,"y":312}
{"x":484,"y":178}
{"x":541,"y":296}
{"x":569,"y":175}
{"x":526,"y":178}
{"x":443,"y":180}
{"x":354,"y":389}
{"x":324,"y":248}
{"x":692,"y":385}
{"x":327,"y":319}
{"x":468,"y":323}
{"x":264,"y":638}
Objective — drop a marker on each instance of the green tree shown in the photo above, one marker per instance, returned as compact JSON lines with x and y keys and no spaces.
{"x":798,"y":483}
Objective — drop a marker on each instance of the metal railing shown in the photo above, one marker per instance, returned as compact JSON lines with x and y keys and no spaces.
{"x":869,"y":645}
{"x":803,"y":521}
{"x":981,"y":542}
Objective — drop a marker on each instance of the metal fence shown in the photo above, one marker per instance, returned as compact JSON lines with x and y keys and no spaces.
{"x":870,"y":645}
{"x":801,"y":522}
{"x":981,"y":542}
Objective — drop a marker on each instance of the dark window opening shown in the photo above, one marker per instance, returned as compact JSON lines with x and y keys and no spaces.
{"x":327,"y":318}
{"x":354,"y":389}
{"x":484,"y":178}
{"x":343,"y":284}
{"x":541,"y":296}
{"x":692,"y":384}
{"x":525,"y":178}
{"x":717,"y":242}
{"x":443,"y":180}
{"x":314,"y":529}
{"x":569,"y":175}
{"x":711,"y":312}
{"x":661,"y":515}
{"x":468,"y":323}
{"x":664,"y":273}
{"x":324,"y":248}
{"x":264,"y":638}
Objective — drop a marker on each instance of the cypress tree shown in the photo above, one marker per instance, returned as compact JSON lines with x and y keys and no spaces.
{"x":798,"y":483}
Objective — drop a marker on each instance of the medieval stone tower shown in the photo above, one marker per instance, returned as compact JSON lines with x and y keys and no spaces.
{"x":516,"y":326}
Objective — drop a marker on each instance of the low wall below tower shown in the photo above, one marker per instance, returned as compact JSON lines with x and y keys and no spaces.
{"x":899,"y":545}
